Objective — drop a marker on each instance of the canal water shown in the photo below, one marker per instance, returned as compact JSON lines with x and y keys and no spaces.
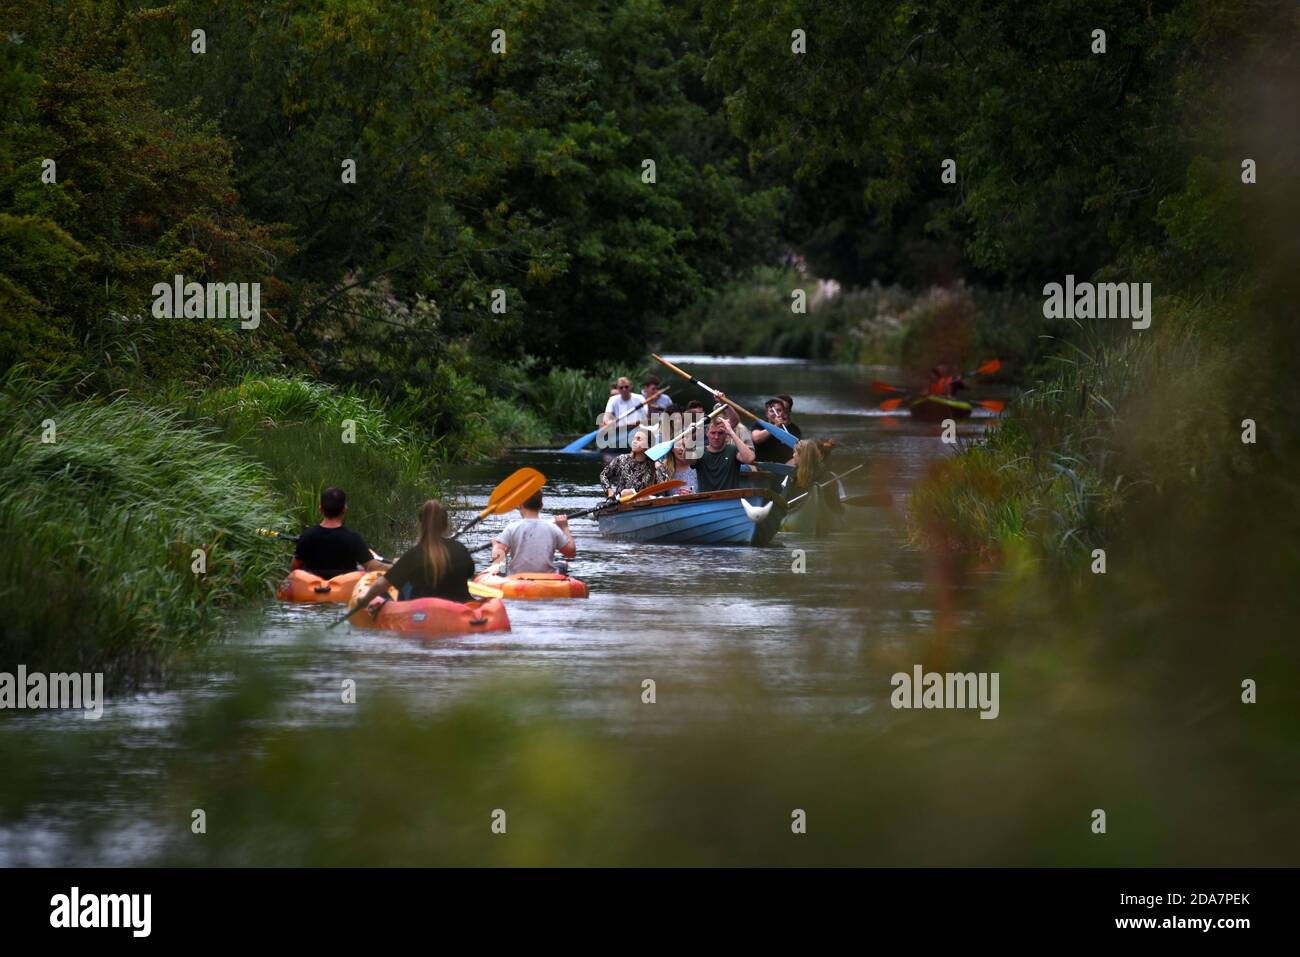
{"x":796,"y":624}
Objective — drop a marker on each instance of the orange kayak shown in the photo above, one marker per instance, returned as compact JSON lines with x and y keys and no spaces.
{"x":529,"y":586}
{"x":304,"y":586}
{"x":431,"y":616}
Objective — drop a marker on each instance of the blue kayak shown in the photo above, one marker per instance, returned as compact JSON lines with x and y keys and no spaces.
{"x":707,"y":518}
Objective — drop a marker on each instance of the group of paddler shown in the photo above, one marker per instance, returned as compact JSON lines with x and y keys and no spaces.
{"x":701,"y":452}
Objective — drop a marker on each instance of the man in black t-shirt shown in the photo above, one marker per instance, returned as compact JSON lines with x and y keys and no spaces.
{"x":766,"y":445}
{"x":719,"y":465}
{"x":329,"y":549}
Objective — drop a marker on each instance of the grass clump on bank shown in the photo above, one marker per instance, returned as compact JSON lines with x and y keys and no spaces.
{"x":103,"y":504}
{"x":311,"y":435}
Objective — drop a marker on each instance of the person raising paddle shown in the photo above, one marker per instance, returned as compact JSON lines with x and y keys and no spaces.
{"x":767,"y":448}
{"x":718,"y":467}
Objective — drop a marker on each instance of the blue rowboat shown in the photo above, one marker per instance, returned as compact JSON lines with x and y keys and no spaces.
{"x":707,"y":518}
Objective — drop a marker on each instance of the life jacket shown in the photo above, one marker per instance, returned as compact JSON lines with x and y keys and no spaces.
{"x":942,"y":385}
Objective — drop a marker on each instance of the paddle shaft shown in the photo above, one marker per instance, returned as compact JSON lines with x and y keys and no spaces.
{"x":511,"y":492}
{"x":581,"y":443}
{"x":663,"y":448}
{"x":833,"y":478}
{"x":709,"y":389}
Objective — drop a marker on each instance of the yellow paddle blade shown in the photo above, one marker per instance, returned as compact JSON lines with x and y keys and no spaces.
{"x":485,"y":591}
{"x":513,"y":491}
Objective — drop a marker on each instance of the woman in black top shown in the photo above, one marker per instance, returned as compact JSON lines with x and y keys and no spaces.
{"x":436,"y":567}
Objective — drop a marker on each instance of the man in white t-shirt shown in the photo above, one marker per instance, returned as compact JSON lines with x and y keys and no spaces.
{"x":531,"y":543}
{"x":623,"y":407}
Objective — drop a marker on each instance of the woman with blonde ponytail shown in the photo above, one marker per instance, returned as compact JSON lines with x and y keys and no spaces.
{"x":435,"y":567}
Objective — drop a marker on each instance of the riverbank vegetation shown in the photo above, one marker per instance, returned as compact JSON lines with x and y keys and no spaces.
{"x":871,"y":325}
{"x":458,"y":248}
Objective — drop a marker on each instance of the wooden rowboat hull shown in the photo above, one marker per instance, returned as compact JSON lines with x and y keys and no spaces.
{"x":708,"y":518}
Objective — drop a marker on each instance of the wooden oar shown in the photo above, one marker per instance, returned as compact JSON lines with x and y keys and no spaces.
{"x":646,"y":492}
{"x":578,"y":444}
{"x":781,"y":434}
{"x":833,"y":478}
{"x":513,"y":491}
{"x":657,"y":452}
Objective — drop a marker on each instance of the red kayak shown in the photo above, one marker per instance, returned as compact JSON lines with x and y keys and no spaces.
{"x":301,"y":586}
{"x":432,"y":617}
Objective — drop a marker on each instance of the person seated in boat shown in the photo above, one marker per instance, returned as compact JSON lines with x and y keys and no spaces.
{"x":942,"y":382}
{"x":328,"y":549}
{"x":531,"y":543}
{"x":655,"y":398}
{"x":739,"y":431}
{"x":623,"y":406}
{"x":718,"y":467}
{"x":767,"y":447}
{"x":677,"y":465}
{"x":810,"y":469}
{"x":435,"y":567}
{"x":631,"y":471}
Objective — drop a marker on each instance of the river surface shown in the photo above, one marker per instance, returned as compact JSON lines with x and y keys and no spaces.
{"x":670,"y":613}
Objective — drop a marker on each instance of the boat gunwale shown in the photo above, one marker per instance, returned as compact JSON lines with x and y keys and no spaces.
{"x":718,"y":496}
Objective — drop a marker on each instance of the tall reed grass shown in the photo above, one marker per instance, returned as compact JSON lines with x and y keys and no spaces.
{"x":102,"y":523}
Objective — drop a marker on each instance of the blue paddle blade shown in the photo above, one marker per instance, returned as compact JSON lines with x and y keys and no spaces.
{"x":660,"y":450}
{"x":577,"y":445}
{"x":781,"y":434}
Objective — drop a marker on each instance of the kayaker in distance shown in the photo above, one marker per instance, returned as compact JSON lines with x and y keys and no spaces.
{"x":328,"y":549}
{"x":531,"y":542}
{"x":435,"y":567}
{"x":631,"y":471}
{"x":768,"y":447}
{"x":943,"y":383}
{"x":621,"y":406}
{"x":718,"y":467}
